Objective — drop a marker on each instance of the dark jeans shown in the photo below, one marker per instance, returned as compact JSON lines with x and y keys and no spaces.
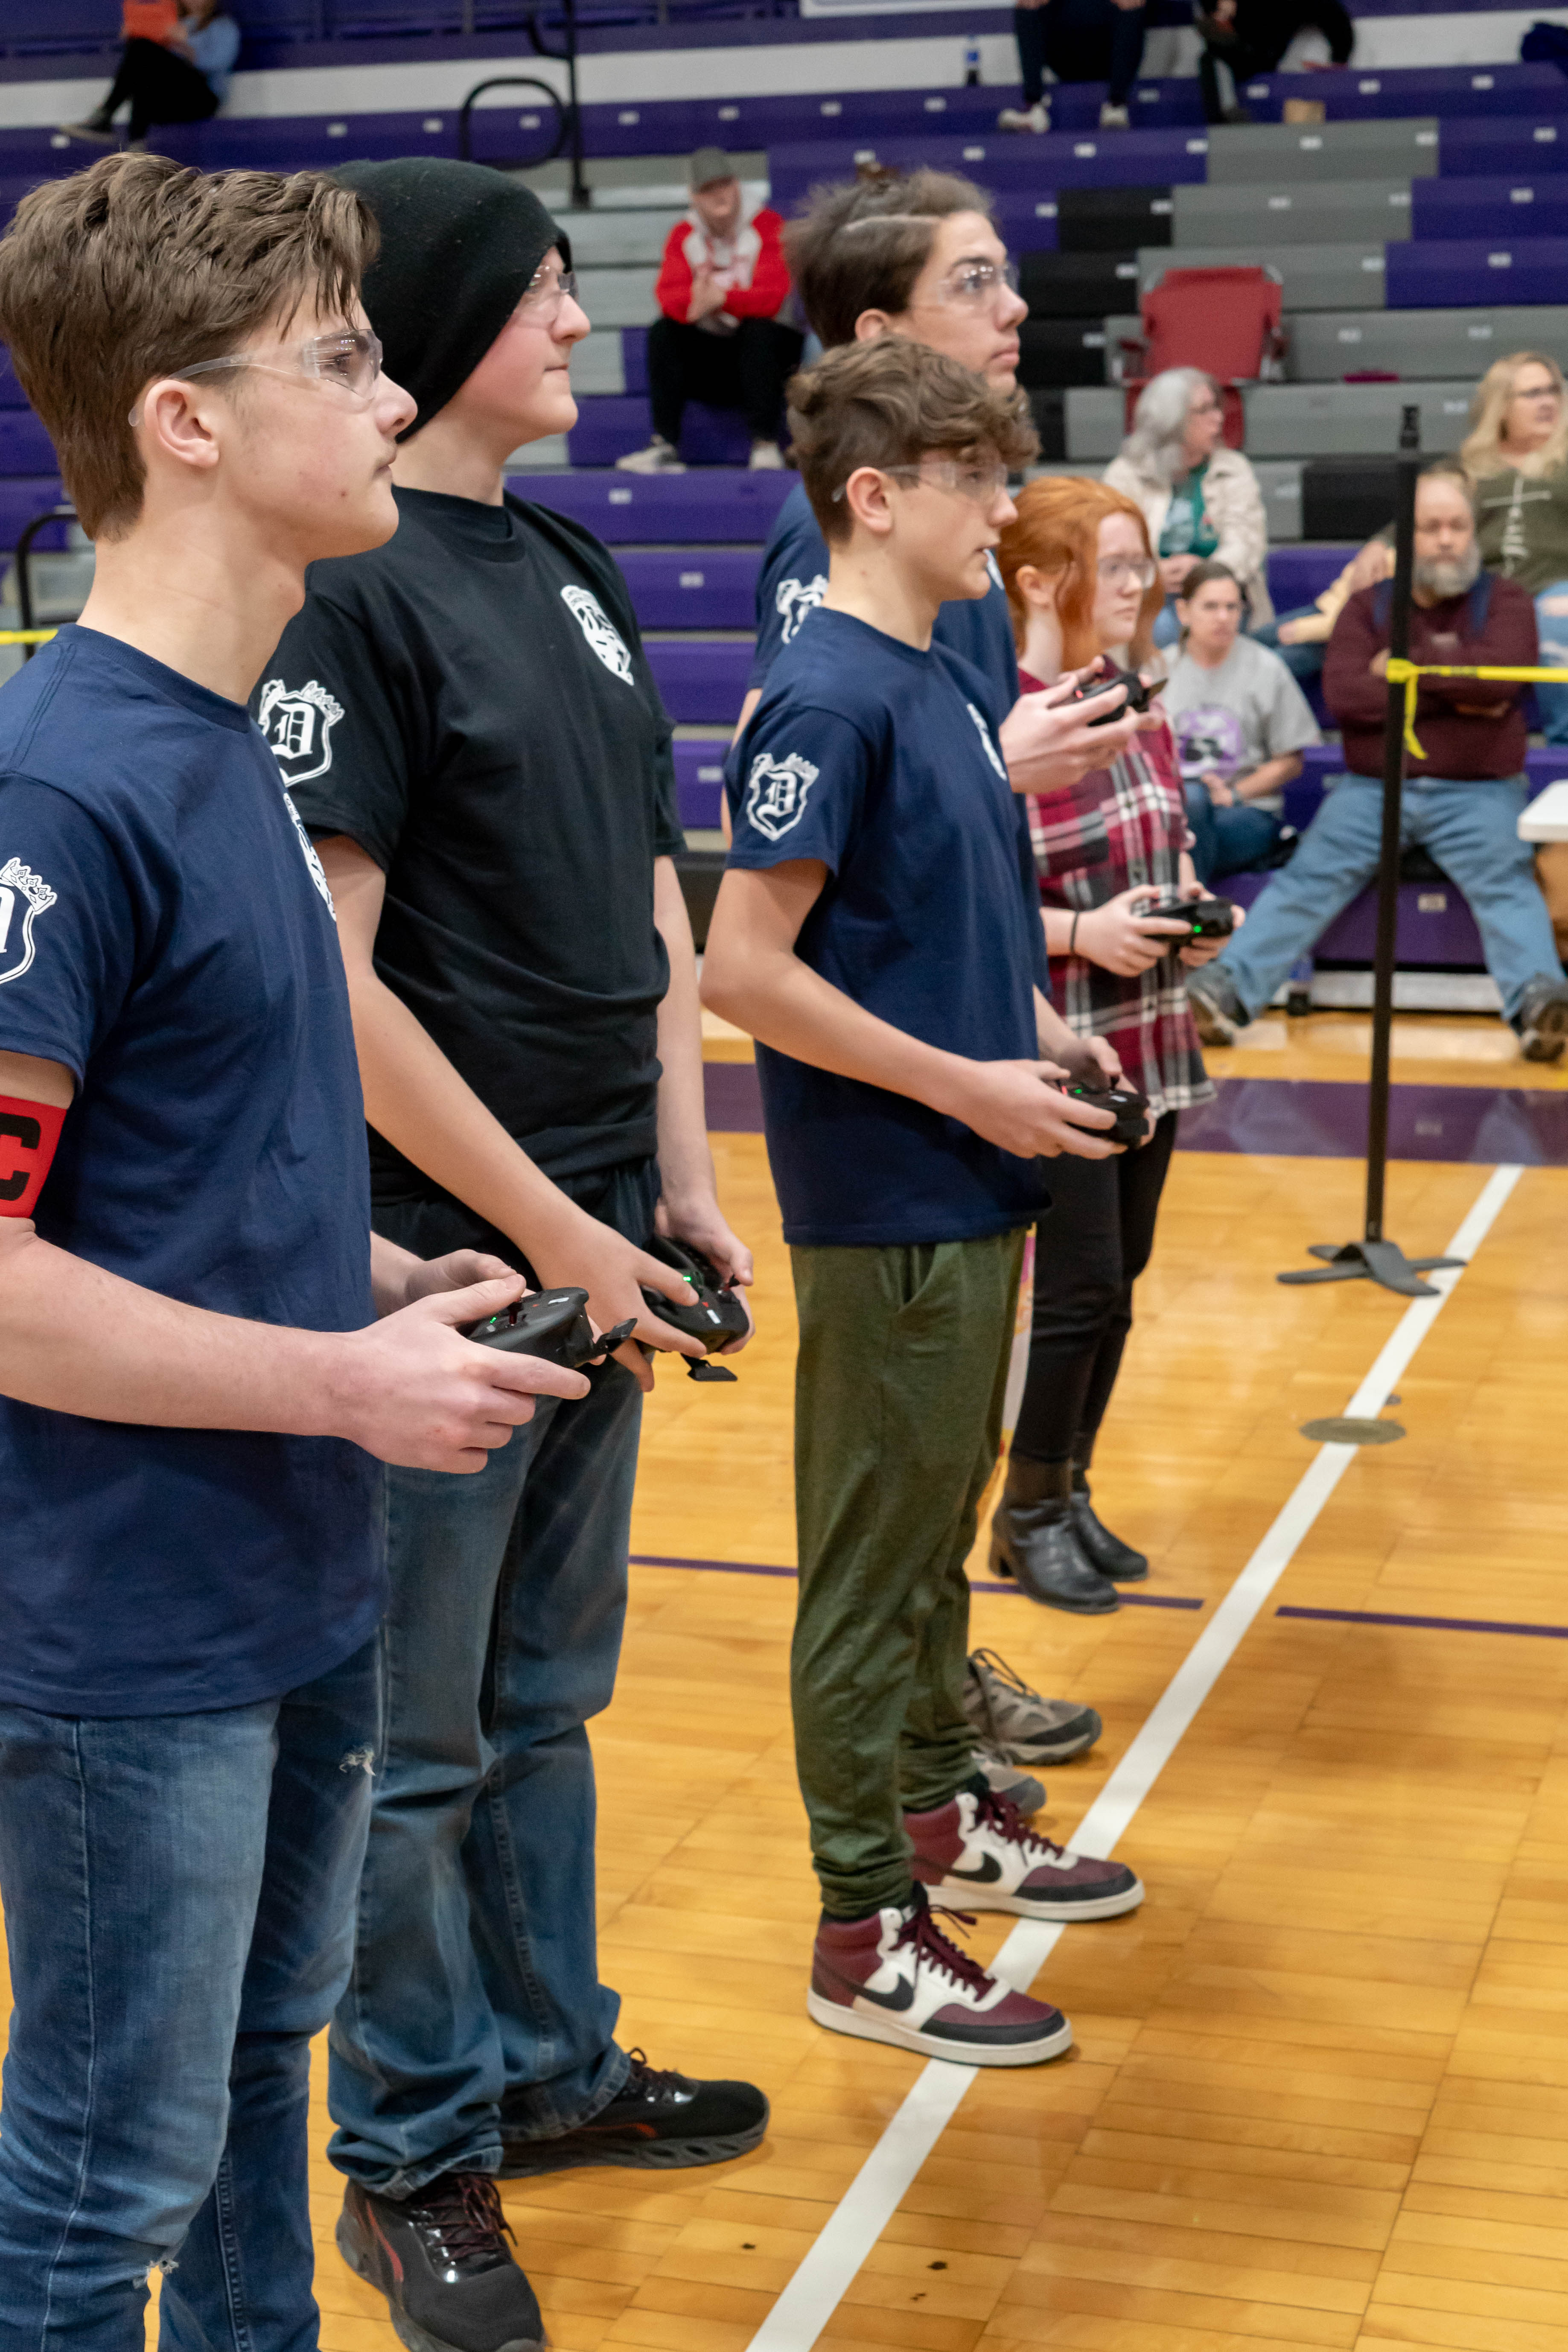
{"x":1303,"y":662}
{"x":1264,"y":31}
{"x":475,"y":2000}
{"x":179,"y":1895}
{"x":1080,"y":40}
{"x":1088,"y":1252}
{"x":162,"y":87}
{"x":1228,"y":840}
{"x":747,"y":370}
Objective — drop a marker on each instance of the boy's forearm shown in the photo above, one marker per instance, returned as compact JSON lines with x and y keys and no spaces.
{"x":685,"y":1161}
{"x":781,"y":1002}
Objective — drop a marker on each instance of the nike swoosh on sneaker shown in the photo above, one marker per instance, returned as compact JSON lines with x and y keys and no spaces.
{"x":989,"y":1872}
{"x":903,"y":1999}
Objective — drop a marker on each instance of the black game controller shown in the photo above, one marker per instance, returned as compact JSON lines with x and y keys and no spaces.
{"x":717,"y":1317}
{"x":1130,"y":1107}
{"x":1139,"y":696}
{"x":1207,"y":918}
{"x":552,"y":1323}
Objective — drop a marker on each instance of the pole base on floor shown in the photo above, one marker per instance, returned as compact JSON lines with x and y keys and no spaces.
{"x":1380,"y":1261}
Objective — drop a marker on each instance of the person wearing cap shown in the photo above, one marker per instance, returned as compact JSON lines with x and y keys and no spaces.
{"x":470,"y":731}
{"x":718,"y":337}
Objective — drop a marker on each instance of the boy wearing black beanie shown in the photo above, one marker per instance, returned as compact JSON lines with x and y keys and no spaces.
{"x":468,"y":726}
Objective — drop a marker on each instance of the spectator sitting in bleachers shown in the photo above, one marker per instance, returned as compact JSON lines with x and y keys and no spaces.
{"x":1516,"y":455}
{"x":1251,"y":37}
{"x":718,"y":337}
{"x":1241,"y":724}
{"x":1462,"y":797}
{"x":1077,"y":40}
{"x":1300,"y":636}
{"x":175,"y":68}
{"x":1200,"y":499}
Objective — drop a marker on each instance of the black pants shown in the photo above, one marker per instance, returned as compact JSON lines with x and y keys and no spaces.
{"x":1264,"y":31}
{"x":161,"y":87}
{"x":1081,"y":40}
{"x":1088,"y":1252}
{"x":747,"y":370}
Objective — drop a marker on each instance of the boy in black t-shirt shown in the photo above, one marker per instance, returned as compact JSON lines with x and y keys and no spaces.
{"x":878,"y":931}
{"x":470,"y":727}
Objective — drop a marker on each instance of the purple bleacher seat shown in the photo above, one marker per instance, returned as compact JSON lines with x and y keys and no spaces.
{"x":1446,"y":91}
{"x":1436,"y":927}
{"x":1028,"y":166}
{"x":1463,"y":273}
{"x":702,"y":679}
{"x":699,"y":781}
{"x":634,"y":357}
{"x":1519,"y":204}
{"x":20,"y":500}
{"x":716,"y":504}
{"x":1471,"y":147}
{"x":612,"y":425}
{"x":11,"y":392}
{"x":1298,"y":574}
{"x":24,"y":447}
{"x":693,"y":588}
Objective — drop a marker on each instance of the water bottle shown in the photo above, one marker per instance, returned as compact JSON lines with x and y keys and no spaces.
{"x":972,"y":62}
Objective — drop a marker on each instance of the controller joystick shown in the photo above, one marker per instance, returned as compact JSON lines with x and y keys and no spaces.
{"x":1207,"y":918}
{"x":717,"y":1316}
{"x":1130,"y":1107}
{"x":548,"y":1323}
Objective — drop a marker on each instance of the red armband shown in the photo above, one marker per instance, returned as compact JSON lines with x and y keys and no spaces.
{"x":30,"y":1133}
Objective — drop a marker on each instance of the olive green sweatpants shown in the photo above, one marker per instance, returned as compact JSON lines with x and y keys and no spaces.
{"x":899,"y":1391}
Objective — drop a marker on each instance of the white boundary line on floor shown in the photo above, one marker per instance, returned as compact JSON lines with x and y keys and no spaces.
{"x":819,"y":2287}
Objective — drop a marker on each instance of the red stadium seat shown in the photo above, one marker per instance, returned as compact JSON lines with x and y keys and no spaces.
{"x":1227,"y":321}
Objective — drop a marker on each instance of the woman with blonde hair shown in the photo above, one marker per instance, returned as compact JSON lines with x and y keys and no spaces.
{"x":1516,"y":455}
{"x":1082,"y":581}
{"x":1200,"y":499}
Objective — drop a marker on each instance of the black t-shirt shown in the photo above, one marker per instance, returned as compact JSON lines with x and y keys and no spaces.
{"x":472,"y":704}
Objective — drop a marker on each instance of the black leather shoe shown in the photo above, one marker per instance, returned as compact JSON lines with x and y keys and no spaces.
{"x":1102,"y":1550}
{"x":439,"y":2258}
{"x":659,"y":2122}
{"x":1032,"y":1538}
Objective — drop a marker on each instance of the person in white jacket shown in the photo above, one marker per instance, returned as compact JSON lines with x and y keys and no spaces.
{"x":1200,"y":500}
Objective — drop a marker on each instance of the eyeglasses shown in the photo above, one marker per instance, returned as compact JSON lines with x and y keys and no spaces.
{"x":1539,"y":392}
{"x":543,"y":296}
{"x":1118,"y":568}
{"x":969,"y":478}
{"x":351,"y":359}
{"x":979,"y":285}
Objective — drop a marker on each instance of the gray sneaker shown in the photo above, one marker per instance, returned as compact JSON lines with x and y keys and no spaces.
{"x":1542,"y":1020}
{"x":1216,"y":1008}
{"x":1017,"y":1722}
{"x":1004,"y":1780}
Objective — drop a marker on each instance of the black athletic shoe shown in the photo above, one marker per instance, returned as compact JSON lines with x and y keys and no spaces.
{"x":660,"y":2121}
{"x":439,"y":2258}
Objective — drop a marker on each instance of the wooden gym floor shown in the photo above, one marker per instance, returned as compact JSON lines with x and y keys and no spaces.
{"x":1320,"y":2097}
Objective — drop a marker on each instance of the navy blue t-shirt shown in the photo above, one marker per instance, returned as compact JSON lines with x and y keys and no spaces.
{"x":882,"y":762}
{"x":793,"y":580}
{"x":166,"y":932}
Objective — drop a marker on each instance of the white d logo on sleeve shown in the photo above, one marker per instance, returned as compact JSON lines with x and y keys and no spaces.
{"x":23,"y":896}
{"x":992,"y":753}
{"x":795,"y":601}
{"x":776,"y":792}
{"x":600,"y":631}
{"x":298,"y":723}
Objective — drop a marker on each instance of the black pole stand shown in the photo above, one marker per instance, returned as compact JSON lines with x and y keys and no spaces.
{"x":1375,"y":1257}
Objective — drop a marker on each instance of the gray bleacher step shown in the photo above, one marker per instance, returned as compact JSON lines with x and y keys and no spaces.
{"x":617,"y":298}
{"x":636,"y":180}
{"x":1334,"y":212}
{"x":635,"y":234}
{"x":1327,"y":344}
{"x":1314,"y":276}
{"x":599,"y":364}
{"x":1350,"y":420}
{"x":1376,"y":148}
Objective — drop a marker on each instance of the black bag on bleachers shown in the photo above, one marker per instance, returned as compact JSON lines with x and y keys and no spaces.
{"x":1059,"y":352}
{"x":1077,"y":285}
{"x":1347,"y":498}
{"x":1113,"y":220}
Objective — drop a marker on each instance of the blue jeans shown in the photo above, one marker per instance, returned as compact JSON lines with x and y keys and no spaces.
{"x":1472,"y":829}
{"x":475,"y":1999}
{"x":1228,"y":840}
{"x":1303,"y":662}
{"x":178,"y":1894}
{"x":1552,"y":701}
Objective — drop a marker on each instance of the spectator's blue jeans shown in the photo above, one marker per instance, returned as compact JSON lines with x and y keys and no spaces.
{"x":475,"y":1998}
{"x":179,"y":1891}
{"x":1228,"y":840}
{"x":1303,"y":662}
{"x":1472,"y":832}
{"x":1552,"y":623}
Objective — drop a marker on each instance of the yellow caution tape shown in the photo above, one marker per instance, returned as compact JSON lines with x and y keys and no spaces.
{"x":26,"y":637}
{"x":1409,"y":674}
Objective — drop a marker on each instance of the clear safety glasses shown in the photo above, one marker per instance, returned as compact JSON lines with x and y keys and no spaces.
{"x":1139,"y":570}
{"x":351,"y":359}
{"x":970,"y":477}
{"x":547,"y":289}
{"x":979,"y":285}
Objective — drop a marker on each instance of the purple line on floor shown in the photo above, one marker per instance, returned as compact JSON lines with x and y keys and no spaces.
{"x":753,"y":1567}
{"x":1428,"y":1625}
{"x":1321,"y":1119}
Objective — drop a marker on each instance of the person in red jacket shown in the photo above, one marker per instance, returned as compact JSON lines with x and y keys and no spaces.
{"x":718,"y":337}
{"x":1462,"y":797}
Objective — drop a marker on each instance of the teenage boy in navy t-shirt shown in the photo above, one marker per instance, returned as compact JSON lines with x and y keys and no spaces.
{"x":195,"y":1381}
{"x":878,"y":932}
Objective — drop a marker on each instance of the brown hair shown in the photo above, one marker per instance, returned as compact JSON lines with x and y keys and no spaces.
{"x":891,"y":403}
{"x":1056,"y":530}
{"x":1202,"y":573}
{"x":139,"y":267}
{"x":861,"y":245}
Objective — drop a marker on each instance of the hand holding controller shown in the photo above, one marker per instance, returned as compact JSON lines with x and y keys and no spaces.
{"x":548,"y":1323}
{"x":1130,"y":1110}
{"x":1207,"y":918}
{"x":717,"y":1316}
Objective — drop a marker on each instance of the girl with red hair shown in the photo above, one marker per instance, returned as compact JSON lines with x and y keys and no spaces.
{"x":1081,"y":581}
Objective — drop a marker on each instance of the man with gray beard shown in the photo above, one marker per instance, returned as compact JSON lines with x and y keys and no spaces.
{"x":1462,"y":798}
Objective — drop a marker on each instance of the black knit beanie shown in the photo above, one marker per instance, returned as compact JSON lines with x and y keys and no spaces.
{"x":459,"y":243}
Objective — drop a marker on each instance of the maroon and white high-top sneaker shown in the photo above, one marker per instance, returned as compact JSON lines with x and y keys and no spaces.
{"x":980,"y":1852}
{"x":895,"y":1978}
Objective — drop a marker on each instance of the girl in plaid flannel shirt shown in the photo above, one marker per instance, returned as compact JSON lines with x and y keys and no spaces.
{"x":1081,"y":581}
